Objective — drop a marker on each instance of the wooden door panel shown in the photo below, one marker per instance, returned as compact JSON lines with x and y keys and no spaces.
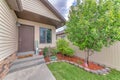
{"x":26,"y":38}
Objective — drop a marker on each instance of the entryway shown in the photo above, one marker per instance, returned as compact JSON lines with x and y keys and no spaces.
{"x":32,"y":68}
{"x":25,"y":40}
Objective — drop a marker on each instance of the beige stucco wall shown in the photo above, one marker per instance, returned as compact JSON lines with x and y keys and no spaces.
{"x":8,"y":31}
{"x":36,"y":6}
{"x":37,"y":34}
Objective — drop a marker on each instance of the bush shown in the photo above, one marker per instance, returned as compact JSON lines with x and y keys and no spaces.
{"x":54,"y":51}
{"x":45,"y":51}
{"x":68,"y":51}
{"x":63,"y":47}
{"x":62,"y":44}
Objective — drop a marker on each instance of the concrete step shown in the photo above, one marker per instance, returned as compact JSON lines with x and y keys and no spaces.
{"x":25,"y":53}
{"x":25,"y":63}
{"x":36,"y":57}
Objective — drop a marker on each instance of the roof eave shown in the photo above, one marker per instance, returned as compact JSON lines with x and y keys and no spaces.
{"x":54,"y":11}
{"x":15,"y":5}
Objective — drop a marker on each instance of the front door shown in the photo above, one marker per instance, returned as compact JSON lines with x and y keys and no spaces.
{"x":26,"y":38}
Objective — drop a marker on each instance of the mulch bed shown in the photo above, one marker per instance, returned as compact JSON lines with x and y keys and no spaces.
{"x":92,"y":66}
{"x":25,"y":56}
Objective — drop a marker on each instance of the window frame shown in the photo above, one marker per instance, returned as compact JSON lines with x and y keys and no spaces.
{"x":46,"y":34}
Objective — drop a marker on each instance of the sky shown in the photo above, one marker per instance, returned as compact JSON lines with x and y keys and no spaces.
{"x":63,"y":6}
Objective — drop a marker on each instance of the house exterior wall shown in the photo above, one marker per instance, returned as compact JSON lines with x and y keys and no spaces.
{"x":62,"y":36}
{"x":37,"y":34}
{"x":8,"y":37}
{"x":36,"y":6}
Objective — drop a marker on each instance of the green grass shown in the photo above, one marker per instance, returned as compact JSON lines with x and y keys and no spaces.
{"x":65,"y":71}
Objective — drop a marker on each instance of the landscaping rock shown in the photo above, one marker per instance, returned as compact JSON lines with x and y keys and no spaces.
{"x":94,"y":71}
{"x":87,"y":69}
{"x":63,"y":60}
{"x":108,"y":69}
{"x":104,"y":70}
{"x":47,"y":62}
{"x":100,"y":72}
{"x":67,"y":61}
{"x":80,"y":66}
{"x":71,"y":62}
{"x":76,"y":64}
{"x":50,"y":62}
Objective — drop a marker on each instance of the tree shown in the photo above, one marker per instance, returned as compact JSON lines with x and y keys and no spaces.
{"x":94,"y":24}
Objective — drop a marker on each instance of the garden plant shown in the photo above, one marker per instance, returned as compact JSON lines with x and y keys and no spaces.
{"x":63,"y":47}
{"x":94,"y":24}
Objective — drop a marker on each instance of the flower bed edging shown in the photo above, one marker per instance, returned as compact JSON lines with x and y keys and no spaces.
{"x":99,"y":72}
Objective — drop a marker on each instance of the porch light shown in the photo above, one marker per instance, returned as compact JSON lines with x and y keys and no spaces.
{"x":18,"y":24}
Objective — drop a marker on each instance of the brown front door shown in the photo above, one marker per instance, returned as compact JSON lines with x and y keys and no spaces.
{"x":26,"y":38}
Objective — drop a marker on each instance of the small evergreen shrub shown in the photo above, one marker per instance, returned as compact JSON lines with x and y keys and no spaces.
{"x":68,"y":52}
{"x":45,"y":51}
{"x":62,"y":44}
{"x":54,"y":51}
{"x":63,"y":47}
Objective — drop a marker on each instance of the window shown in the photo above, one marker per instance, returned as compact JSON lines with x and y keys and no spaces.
{"x":45,"y":35}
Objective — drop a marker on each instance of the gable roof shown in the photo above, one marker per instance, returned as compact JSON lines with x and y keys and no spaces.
{"x":60,"y":32}
{"x":17,"y":6}
{"x":53,"y":9}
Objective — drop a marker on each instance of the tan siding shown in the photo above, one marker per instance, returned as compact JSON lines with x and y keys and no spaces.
{"x":36,"y":6}
{"x":62,"y":36}
{"x":8,"y":31}
{"x":37,"y":26}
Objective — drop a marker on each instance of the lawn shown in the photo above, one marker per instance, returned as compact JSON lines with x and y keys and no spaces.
{"x":65,"y":71}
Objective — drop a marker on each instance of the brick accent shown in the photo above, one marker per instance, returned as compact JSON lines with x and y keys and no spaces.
{"x":5,"y":65}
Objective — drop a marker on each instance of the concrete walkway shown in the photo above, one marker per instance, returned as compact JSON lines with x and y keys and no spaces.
{"x":36,"y":72}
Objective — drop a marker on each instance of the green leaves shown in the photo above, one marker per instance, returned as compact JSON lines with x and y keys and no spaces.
{"x":94,"y":25}
{"x":63,"y":47}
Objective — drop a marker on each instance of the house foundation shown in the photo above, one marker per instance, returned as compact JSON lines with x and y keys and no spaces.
{"x":5,"y":64}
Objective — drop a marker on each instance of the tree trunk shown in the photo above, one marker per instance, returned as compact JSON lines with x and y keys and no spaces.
{"x":87,"y":58}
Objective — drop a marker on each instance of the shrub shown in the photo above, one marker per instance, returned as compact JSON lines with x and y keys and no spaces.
{"x":61,"y":44}
{"x":45,"y":51}
{"x":54,"y":51}
{"x":68,"y":51}
{"x":63,"y":47}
